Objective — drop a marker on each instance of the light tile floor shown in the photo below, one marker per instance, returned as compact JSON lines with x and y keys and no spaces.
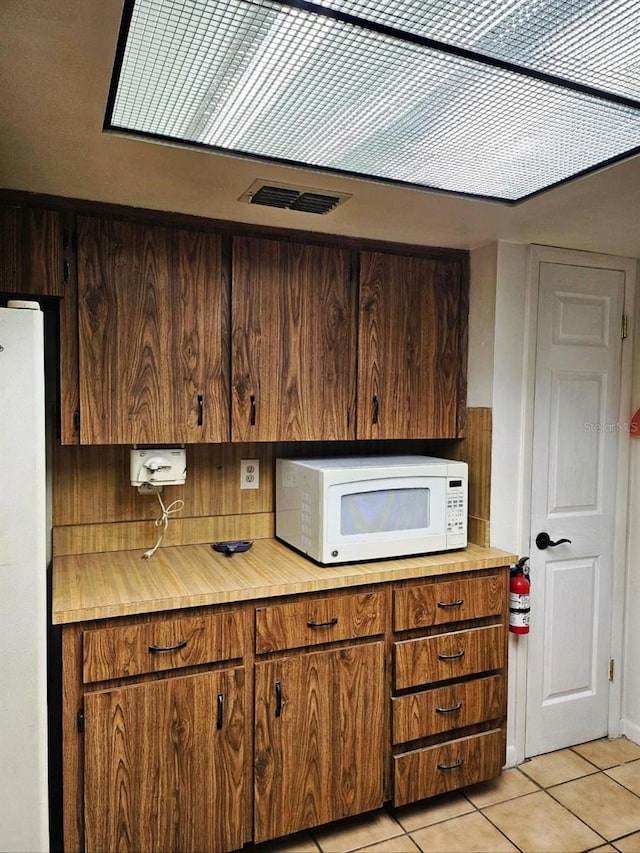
{"x":583,"y":798}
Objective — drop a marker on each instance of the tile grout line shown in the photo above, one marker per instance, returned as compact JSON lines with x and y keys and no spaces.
{"x":510,"y":799}
{"x":567,"y":809}
{"x":589,"y":761}
{"x":622,"y":785}
{"x":622,"y":838}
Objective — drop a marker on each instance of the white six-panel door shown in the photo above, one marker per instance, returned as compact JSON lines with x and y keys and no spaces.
{"x":575,"y":444}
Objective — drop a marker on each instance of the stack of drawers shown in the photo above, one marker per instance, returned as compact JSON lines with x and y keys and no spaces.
{"x":449,"y":684}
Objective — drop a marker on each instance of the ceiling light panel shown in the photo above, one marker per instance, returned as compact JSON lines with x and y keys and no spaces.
{"x":595,"y":43}
{"x":264,"y":79}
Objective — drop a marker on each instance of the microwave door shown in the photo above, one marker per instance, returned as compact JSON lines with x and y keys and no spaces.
{"x":386,"y":517}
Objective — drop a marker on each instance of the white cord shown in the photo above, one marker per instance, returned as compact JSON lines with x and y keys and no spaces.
{"x":163,"y":522}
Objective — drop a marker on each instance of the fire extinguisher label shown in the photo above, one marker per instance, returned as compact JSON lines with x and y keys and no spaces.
{"x":519,"y":602}
{"x":519,"y":620}
{"x":519,"y":606}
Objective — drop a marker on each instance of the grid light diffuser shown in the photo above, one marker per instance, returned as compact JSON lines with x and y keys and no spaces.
{"x":595,"y":43}
{"x":391,"y":91}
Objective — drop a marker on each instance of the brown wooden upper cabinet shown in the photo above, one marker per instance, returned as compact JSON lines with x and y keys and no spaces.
{"x":31,"y":252}
{"x":412,"y":347}
{"x":153,"y":334}
{"x":293,"y":362}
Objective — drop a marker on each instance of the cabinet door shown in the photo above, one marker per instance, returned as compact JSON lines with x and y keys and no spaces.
{"x":294,"y":342}
{"x":153,"y":307}
{"x":318,"y":738}
{"x":164,"y":765}
{"x":412,"y":347}
{"x":31,"y":252}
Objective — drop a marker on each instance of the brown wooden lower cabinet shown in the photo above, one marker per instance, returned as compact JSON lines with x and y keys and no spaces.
{"x":449,"y":684}
{"x":199,"y":730}
{"x":164,"y":765}
{"x":319,"y":738}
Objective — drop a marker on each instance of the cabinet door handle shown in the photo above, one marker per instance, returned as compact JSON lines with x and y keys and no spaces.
{"x":312,"y":624}
{"x":453,"y":766}
{"x":376,"y":410}
{"x":454,"y":656}
{"x":220,"y":716}
{"x":200,"y":409}
{"x":180,"y":645}
{"x":450,"y":710}
{"x":457,"y":603}
{"x":278,"y":699}
{"x":252,"y":411}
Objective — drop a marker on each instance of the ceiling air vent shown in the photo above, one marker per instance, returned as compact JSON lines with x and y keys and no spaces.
{"x":288,"y":197}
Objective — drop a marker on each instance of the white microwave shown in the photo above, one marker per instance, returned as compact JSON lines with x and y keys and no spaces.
{"x":368,"y":508}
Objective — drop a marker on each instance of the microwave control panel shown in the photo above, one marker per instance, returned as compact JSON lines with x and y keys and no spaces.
{"x":456,"y":507}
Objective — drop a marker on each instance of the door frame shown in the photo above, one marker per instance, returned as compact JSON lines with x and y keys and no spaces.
{"x":519,"y":650}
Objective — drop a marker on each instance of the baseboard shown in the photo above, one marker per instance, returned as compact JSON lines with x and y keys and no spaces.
{"x":512,"y":757}
{"x":630,"y":730}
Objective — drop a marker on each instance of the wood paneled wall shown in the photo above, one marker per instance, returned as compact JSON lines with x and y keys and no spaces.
{"x":95,"y":508}
{"x":476,"y":451}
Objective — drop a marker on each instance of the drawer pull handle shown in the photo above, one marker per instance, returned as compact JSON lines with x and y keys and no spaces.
{"x":457,"y":603}
{"x":156,"y":649}
{"x":453,"y":766}
{"x":450,"y":710}
{"x":252,"y":410}
{"x":220,"y":711}
{"x":454,"y":656}
{"x":312,"y":624}
{"x":278,"y":699}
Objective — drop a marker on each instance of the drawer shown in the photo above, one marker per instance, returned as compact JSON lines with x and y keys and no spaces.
{"x":449,"y":601}
{"x":165,"y":644}
{"x":452,"y":655}
{"x":447,"y":766}
{"x":309,"y":621}
{"x":442,"y":709}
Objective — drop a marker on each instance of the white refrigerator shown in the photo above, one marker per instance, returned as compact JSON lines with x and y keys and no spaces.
{"x":23,"y":570}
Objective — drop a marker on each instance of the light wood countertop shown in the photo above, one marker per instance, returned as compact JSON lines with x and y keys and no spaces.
{"x":121,"y":583}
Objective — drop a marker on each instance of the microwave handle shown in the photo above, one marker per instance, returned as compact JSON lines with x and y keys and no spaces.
{"x":376,"y":410}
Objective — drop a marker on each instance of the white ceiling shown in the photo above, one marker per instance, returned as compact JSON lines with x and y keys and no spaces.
{"x":56,"y":58}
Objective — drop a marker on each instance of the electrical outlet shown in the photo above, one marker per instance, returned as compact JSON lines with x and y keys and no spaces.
{"x":249,"y":473}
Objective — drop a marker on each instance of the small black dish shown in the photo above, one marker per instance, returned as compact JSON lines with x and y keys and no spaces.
{"x":233,"y":547}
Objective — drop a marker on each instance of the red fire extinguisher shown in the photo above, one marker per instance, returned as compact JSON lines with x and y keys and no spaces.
{"x":519,"y":598}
